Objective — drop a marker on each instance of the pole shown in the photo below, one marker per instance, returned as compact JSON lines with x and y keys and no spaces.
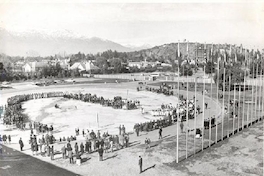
{"x":203,"y":111}
{"x":228,"y":104}
{"x":256,"y":93}
{"x":239,"y":107}
{"x":223,"y":113}
{"x":234,"y":109}
{"x":251,"y":116}
{"x":259,"y":96}
{"x":178,"y":115}
{"x":210,"y":125}
{"x":195,"y":109}
{"x":244,"y":94}
{"x":187,"y":118}
{"x":217,"y":101}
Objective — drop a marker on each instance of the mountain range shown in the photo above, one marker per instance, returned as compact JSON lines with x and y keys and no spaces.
{"x":35,"y":43}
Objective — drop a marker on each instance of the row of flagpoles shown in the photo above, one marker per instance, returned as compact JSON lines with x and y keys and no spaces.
{"x":243,"y":115}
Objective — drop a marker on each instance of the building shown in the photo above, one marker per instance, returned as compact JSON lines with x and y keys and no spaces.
{"x":84,"y":66}
{"x":31,"y":67}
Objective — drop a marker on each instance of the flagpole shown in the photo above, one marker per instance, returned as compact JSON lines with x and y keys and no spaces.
{"x":228,"y":103}
{"x":256,"y":92}
{"x":244,"y":94}
{"x":178,"y":112}
{"x":187,"y":113}
{"x":203,"y":129}
{"x":239,"y":107}
{"x":223,"y":113}
{"x":210,"y":125}
{"x":217,"y":100}
{"x":251,"y":116}
{"x":259,"y":97}
{"x":234,"y":109}
{"x":195,"y":109}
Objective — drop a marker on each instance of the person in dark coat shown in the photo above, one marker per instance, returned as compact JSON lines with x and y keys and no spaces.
{"x":101,"y":152}
{"x":86,"y":147}
{"x":82,"y":148}
{"x":76,"y":148}
{"x":140,"y":163}
{"x":21,"y":144}
{"x":160,"y":133}
{"x":70,"y":155}
{"x":9,"y":139}
{"x":52,"y":153}
{"x":181,"y":125}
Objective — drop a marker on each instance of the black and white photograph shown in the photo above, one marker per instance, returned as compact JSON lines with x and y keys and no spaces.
{"x":127,"y":88}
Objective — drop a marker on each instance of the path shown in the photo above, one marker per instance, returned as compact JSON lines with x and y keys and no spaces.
{"x":15,"y":163}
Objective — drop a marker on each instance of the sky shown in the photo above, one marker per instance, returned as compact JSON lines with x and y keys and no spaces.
{"x":237,"y":22}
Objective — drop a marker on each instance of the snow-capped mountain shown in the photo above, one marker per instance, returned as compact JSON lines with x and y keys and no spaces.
{"x":35,"y":43}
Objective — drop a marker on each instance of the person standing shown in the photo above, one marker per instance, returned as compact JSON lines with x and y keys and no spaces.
{"x":119,"y":129}
{"x":101,"y":152}
{"x":82,"y":148}
{"x":52,"y":153}
{"x":140,"y":163}
{"x":123,"y":130}
{"x":70,"y":155}
{"x":21,"y":144}
{"x":63,"y":151}
{"x":160,"y":133}
{"x":181,"y":125}
{"x":9,"y":138}
{"x":76,"y":148}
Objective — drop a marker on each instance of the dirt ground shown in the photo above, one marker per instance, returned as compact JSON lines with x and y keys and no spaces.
{"x":241,"y":154}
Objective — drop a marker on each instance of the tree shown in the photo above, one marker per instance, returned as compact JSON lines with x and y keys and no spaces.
{"x":186,"y":70}
{"x":116,"y":63}
{"x":209,"y":67}
{"x":102,"y":63}
{"x":233,"y":71}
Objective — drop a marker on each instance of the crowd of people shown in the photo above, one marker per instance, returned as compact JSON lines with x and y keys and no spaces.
{"x":164,"y":89}
{"x":116,"y":103}
{"x":5,"y":138}
{"x":13,"y":110}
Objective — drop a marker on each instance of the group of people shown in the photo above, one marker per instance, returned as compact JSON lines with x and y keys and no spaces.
{"x":116,"y":103}
{"x":5,"y":138}
{"x":151,"y":125}
{"x":164,"y":89}
{"x":13,"y":110}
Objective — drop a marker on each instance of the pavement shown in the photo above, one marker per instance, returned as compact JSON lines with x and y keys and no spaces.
{"x":15,"y":163}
